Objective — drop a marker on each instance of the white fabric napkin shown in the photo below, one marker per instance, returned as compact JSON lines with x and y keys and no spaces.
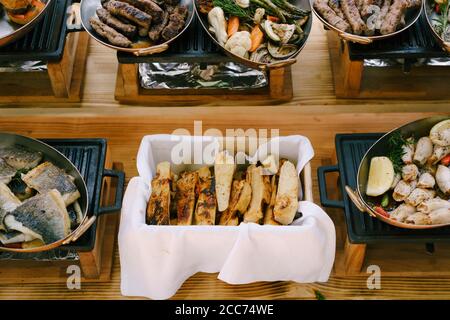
{"x":156,"y":260}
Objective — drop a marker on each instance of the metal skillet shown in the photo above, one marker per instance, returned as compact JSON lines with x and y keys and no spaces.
{"x":302,"y":4}
{"x":10,"y":31}
{"x":88,"y":8}
{"x":410,"y":18}
{"x":417,"y":128}
{"x":59,"y":160}
{"x":429,"y":13}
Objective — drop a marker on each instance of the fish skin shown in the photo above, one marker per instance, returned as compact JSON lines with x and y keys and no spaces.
{"x":47,"y":176}
{"x":20,"y":158}
{"x":8,"y":201}
{"x":44,"y":215}
{"x":6,"y":172}
{"x":14,"y":237}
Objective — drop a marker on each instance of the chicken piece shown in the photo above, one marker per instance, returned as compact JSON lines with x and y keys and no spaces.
{"x":329,"y":15}
{"x":186,"y":197}
{"x":255,"y":213}
{"x":159,"y":204}
{"x":410,"y":172}
{"x":419,"y":195}
{"x":426,"y":181}
{"x":353,"y":17}
{"x":440,"y":216}
{"x":419,"y":218}
{"x":402,"y":212}
{"x":443,"y":179}
{"x":286,"y":203}
{"x":439,"y":153}
{"x":224,"y":168}
{"x":402,"y":190}
{"x":432,"y":205}
{"x":424,"y":150}
{"x":47,"y":176}
{"x":205,"y":211}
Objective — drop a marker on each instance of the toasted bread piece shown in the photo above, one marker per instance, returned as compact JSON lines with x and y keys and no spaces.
{"x":229,"y":215}
{"x":159,"y":203}
{"x":186,"y":197}
{"x":205,"y":211}
{"x":268,"y":216}
{"x":255,"y":213}
{"x":286,"y":203}
{"x":245,"y":197}
{"x":224,"y":168}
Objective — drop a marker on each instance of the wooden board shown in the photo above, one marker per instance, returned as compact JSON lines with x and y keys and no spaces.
{"x":354,"y":80}
{"x":61,"y":82}
{"x":124,"y":129}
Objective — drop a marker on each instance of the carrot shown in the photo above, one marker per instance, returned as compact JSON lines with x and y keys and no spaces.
{"x":257,"y":37}
{"x":273,"y":18}
{"x":446,"y":160}
{"x":233,"y":25}
{"x":381,"y":211}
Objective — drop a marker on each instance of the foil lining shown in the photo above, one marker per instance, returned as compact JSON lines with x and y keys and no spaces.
{"x":27,"y":66}
{"x":379,"y":63}
{"x":51,"y":255}
{"x":228,"y":75}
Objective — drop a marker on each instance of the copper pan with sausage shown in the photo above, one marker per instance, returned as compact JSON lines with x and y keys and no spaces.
{"x":366,"y":21}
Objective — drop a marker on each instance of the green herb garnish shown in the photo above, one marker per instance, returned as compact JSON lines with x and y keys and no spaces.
{"x":230,"y":7}
{"x":396,"y":152}
{"x":441,"y":22}
{"x":319,"y":295}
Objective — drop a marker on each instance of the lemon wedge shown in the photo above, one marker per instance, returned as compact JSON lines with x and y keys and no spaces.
{"x":381,"y":176}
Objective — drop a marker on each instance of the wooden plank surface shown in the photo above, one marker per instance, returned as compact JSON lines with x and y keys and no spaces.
{"x":314,"y":112}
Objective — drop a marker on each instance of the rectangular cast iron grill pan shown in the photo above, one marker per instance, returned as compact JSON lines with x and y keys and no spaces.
{"x":416,"y":42}
{"x":88,"y":156}
{"x":362,"y":228}
{"x":45,"y":42}
{"x":194,"y":46}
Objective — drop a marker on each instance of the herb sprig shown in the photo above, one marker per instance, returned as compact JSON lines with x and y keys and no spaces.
{"x":396,"y":152}
{"x":442,"y":19}
{"x":230,"y":7}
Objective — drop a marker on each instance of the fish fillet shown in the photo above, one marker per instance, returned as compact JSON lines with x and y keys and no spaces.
{"x":8,"y":203}
{"x":20,"y":158}
{"x":6,"y":172}
{"x":47,"y":177}
{"x":43,"y":217}
{"x":14,"y":237}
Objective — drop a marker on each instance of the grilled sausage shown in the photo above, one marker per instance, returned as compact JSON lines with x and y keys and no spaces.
{"x":113,"y":36}
{"x":124,"y":10}
{"x":329,"y":15}
{"x":126,"y":29}
{"x":353,"y":17}
{"x":149,"y":7}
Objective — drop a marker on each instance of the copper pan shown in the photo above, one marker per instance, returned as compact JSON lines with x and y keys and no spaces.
{"x":428,"y":14}
{"x":303,"y":4}
{"x":417,"y":128}
{"x":58,"y":159}
{"x":10,"y":31}
{"x":88,"y":8}
{"x":411,"y":17}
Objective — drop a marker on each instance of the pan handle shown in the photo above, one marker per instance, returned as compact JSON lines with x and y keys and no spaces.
{"x":353,"y":195}
{"x":279,"y":64}
{"x":152,"y":50}
{"x":73,"y":21}
{"x":321,"y":172}
{"x":446,"y":46}
{"x":119,"y":191}
{"x":355,"y":38}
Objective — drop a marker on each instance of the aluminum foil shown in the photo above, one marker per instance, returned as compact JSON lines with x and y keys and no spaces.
{"x":52,"y":255}
{"x":228,"y":75}
{"x":27,"y":66}
{"x":400,"y":62}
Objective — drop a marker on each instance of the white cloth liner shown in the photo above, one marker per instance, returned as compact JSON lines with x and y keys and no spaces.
{"x":156,"y":260}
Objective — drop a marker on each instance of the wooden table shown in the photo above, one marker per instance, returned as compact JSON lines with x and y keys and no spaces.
{"x":314,"y":112}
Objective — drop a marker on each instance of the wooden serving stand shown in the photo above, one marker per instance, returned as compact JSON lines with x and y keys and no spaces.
{"x":60,"y":83}
{"x":129,"y":90}
{"x":354,"y":80}
{"x":394,"y":260}
{"x":96,"y":265}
